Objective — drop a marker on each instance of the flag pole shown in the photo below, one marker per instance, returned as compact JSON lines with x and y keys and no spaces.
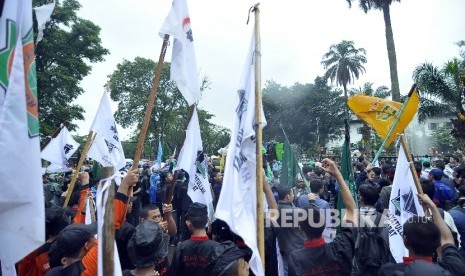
{"x":258,"y":134}
{"x":151,"y":103}
{"x":169,"y":196}
{"x":90,"y":139}
{"x":55,"y":134}
{"x":108,"y":241}
{"x":394,"y":125}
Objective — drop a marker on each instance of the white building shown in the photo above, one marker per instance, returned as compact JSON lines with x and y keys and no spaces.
{"x":418,"y":134}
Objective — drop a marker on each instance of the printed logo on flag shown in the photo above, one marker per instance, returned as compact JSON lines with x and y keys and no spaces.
{"x":6,"y":53}
{"x":186,"y":24}
{"x":385,"y":112}
{"x":31,"y":84}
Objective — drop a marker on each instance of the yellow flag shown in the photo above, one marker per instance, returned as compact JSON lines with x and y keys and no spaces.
{"x":381,"y":114}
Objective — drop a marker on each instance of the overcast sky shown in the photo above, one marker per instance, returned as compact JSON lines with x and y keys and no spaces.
{"x":295,"y":34}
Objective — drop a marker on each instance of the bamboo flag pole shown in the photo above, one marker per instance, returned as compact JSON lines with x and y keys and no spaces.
{"x":90,"y":139}
{"x":55,"y":133}
{"x":394,"y":125}
{"x":108,"y":242}
{"x":258,"y":134}
{"x":151,"y":103}
{"x":169,"y":196}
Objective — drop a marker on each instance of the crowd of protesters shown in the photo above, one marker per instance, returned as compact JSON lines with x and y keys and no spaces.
{"x":160,"y":236}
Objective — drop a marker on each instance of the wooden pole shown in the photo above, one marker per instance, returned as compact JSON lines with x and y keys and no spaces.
{"x":151,"y":103}
{"x":90,"y":139}
{"x":258,"y":134}
{"x":55,"y":134}
{"x":91,"y":208}
{"x":108,"y":242}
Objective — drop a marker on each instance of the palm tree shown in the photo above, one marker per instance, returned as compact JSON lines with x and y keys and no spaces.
{"x":384,"y":5}
{"x":442,"y":91}
{"x":344,"y":64}
{"x":367,"y":90}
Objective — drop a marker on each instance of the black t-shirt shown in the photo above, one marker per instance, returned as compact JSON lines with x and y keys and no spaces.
{"x":194,"y":257}
{"x":333,"y":258}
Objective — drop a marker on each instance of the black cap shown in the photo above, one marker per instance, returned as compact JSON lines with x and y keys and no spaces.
{"x":227,"y":257}
{"x":56,"y":219}
{"x":73,"y":238}
{"x":147,"y":244}
{"x":197,"y":210}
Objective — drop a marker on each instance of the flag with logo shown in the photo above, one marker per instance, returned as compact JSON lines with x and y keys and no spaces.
{"x":193,"y":161}
{"x":237,"y":204}
{"x":22,"y":211}
{"x":403,"y":205}
{"x":106,"y":147}
{"x":183,"y":64}
{"x":60,"y":148}
{"x":380,"y":114}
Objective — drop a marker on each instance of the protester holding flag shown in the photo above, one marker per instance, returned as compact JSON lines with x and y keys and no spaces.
{"x":318,"y":257}
{"x":422,"y":237}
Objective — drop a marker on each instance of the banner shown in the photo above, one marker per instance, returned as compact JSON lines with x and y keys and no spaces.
{"x":237,"y":205}
{"x":60,"y":149}
{"x":290,"y":169}
{"x":403,"y":205}
{"x":183,"y":64}
{"x":22,"y":213}
{"x":381,"y":114}
{"x":193,"y":161}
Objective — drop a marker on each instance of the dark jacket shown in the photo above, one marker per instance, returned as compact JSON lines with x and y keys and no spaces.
{"x":451,"y":263}
{"x":289,"y":237}
{"x":194,"y":257}
{"x":320,"y":258}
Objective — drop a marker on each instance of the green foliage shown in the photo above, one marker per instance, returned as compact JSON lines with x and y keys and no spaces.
{"x":307,"y":112}
{"x":443,"y":140}
{"x":440,"y":89}
{"x":130,"y":86}
{"x":63,"y":59}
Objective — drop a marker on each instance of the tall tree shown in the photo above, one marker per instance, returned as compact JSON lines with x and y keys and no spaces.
{"x":367,"y":90}
{"x":344,"y":64}
{"x":63,"y":59}
{"x":384,"y":6}
{"x":442,"y":92}
{"x":130,"y":85}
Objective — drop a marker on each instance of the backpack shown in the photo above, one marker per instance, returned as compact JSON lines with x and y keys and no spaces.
{"x":371,"y":248}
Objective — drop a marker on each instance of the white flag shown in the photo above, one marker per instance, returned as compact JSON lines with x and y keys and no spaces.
{"x":183,"y":64}
{"x":60,"y":149}
{"x":237,"y":204}
{"x":192,"y":160}
{"x":22,"y":227}
{"x":403,"y":205}
{"x":43,"y":14}
{"x":106,"y":148}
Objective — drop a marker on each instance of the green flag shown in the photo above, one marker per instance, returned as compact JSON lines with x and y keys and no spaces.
{"x":289,"y":168}
{"x":347,"y":174}
{"x":279,"y":151}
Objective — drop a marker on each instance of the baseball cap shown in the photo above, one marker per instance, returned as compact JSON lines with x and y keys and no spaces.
{"x":227,"y":256}
{"x":318,"y":164}
{"x":147,"y":244}
{"x":436,"y":173}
